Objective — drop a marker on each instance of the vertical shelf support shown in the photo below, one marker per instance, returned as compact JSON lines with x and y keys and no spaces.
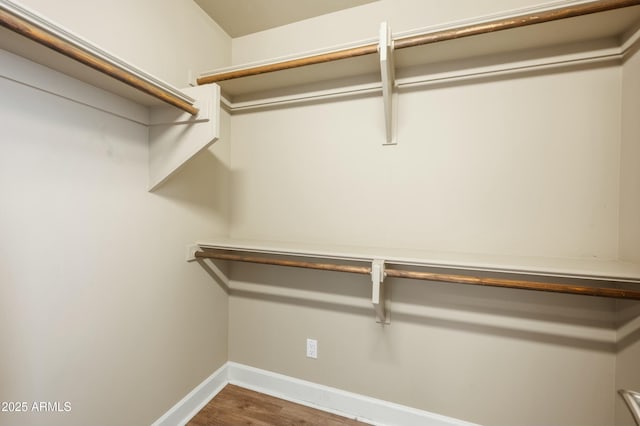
{"x":175,"y":137}
{"x":387,"y":73}
{"x":377,"y":292}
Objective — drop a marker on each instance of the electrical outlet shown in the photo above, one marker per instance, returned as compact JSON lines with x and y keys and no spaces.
{"x":312,"y":348}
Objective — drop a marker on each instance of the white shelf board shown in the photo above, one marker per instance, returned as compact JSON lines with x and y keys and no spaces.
{"x":610,"y":28}
{"x":592,"y":269}
{"x":367,"y":67}
{"x":40,"y":54}
{"x":26,"y":48}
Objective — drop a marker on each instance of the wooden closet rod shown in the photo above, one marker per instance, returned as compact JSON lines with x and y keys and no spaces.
{"x":431,"y":276}
{"x":510,"y":23}
{"x":428,"y":38}
{"x":353,"y":52}
{"x":40,"y":35}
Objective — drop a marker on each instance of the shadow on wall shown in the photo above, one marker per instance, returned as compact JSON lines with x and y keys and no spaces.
{"x":219,"y":271}
{"x":324,"y":290}
{"x":629,"y":339}
{"x":628,"y":321}
{"x":327,"y":92}
{"x":454,"y":73}
{"x":557,"y":319}
{"x":201,"y":184}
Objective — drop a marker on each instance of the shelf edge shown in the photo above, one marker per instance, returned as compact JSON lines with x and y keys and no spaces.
{"x":36,"y":28}
{"x":518,"y":21}
{"x":434,"y":34}
{"x":430,"y":261}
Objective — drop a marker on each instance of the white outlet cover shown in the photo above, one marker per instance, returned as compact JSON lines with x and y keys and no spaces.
{"x":312,"y":348}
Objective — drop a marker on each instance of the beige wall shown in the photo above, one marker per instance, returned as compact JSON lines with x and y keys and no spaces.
{"x":166,"y":38}
{"x":489,"y":356}
{"x":97,"y":305}
{"x":464,"y":177}
{"x":362,"y":23}
{"x":502,"y":165}
{"x":627,"y":371}
{"x":628,"y":353}
{"x":630,"y":155}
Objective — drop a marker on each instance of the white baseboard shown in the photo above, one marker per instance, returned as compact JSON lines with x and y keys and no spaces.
{"x":348,"y":404}
{"x":187,"y":407}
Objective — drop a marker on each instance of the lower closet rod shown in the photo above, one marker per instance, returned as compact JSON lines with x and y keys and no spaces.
{"x":431,"y":276}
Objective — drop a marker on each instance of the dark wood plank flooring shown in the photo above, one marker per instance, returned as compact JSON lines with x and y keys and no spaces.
{"x":235,"y":406}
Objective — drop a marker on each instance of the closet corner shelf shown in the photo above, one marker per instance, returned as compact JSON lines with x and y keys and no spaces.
{"x":189,"y":116}
{"x":31,"y":36}
{"x":456,"y":268}
{"x":602,"y":27}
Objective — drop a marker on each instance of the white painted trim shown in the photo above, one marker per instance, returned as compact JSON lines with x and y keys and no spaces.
{"x":195,"y":400}
{"x":551,"y":63}
{"x":543,"y":7}
{"x":38,"y":77}
{"x":295,"y":56}
{"x":347,"y":404}
{"x":174,"y":136}
{"x":628,"y":329}
{"x":325,"y":398}
{"x":554,"y":62}
{"x":560,"y":267}
{"x":171,"y":146}
{"x":489,"y":17}
{"x":313,"y":96}
{"x":60,"y":32}
{"x":630,"y":43}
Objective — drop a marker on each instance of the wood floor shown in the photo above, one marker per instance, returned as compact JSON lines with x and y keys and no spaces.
{"x":235,"y":406}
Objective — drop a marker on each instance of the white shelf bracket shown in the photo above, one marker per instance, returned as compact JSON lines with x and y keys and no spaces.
{"x":175,"y":137}
{"x":190,"y":255}
{"x":387,"y":73}
{"x":377,"y":292}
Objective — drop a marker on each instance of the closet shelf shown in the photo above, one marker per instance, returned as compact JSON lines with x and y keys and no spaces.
{"x":31,"y":36}
{"x":181,"y":123}
{"x":450,"y":268}
{"x":580,"y":268}
{"x":611,"y":22}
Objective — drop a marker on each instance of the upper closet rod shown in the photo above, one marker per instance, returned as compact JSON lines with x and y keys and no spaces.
{"x":430,"y":276}
{"x":429,"y":37}
{"x":514,"y":22}
{"x":336,"y":55}
{"x":31,"y":26}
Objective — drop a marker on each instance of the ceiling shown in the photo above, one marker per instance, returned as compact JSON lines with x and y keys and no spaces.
{"x":242,"y":17}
